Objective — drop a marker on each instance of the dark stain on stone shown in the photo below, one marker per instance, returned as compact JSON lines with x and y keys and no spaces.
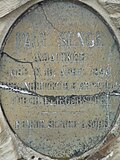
{"x":103,"y":151}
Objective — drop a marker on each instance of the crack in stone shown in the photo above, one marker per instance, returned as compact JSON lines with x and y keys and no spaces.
{"x":34,"y":76}
{"x":48,"y":19}
{"x":29,"y":92}
{"x":44,"y":13}
{"x":20,"y":61}
{"x":78,"y":34}
{"x":33,"y":93}
{"x":115,"y":93}
{"x":22,"y":91}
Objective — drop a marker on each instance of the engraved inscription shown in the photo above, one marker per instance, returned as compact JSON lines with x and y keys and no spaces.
{"x":60,"y":83}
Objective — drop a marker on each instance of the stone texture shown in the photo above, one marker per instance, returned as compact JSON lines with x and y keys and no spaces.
{"x":8,"y":149}
{"x":7,"y":6}
{"x":116,"y":19}
{"x":113,"y":8}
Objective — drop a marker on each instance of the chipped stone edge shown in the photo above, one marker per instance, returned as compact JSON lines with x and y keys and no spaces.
{"x":10,"y":6}
{"x":113,"y":9}
{"x":11,"y":146}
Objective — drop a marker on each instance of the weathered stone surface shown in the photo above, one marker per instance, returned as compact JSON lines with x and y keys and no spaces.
{"x":7,"y":6}
{"x":7,"y":147}
{"x":113,"y":7}
{"x":109,"y":155}
{"x":116,"y":19}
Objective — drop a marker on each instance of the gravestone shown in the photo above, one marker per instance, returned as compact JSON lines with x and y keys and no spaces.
{"x":59,"y":70}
